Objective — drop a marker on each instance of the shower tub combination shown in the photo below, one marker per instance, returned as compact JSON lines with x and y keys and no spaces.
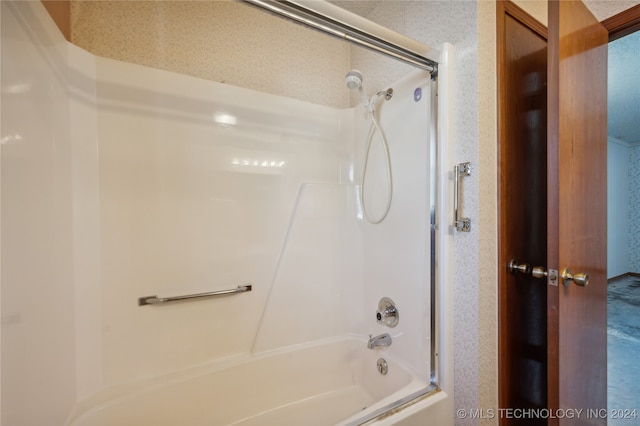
{"x":321,"y":383}
{"x":263,"y":192}
{"x":324,"y":348}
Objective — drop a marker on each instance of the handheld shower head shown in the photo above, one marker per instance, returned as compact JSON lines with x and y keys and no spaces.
{"x":354,"y":82}
{"x":354,"y":79}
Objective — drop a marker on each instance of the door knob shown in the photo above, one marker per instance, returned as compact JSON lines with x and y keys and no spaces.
{"x":539,"y":272}
{"x":524,"y":268}
{"x":536,"y":272}
{"x":580,"y":278}
{"x":515,"y":267}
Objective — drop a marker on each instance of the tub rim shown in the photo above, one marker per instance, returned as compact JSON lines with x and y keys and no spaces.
{"x":125,"y":391}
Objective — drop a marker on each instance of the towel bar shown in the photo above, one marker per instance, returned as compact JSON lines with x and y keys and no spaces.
{"x":155,"y":300}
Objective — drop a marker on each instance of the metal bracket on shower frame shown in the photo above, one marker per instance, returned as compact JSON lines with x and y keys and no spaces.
{"x":462,"y":224}
{"x":154,"y":300}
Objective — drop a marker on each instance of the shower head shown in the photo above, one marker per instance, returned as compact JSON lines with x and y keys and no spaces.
{"x":354,"y":82}
{"x":354,"y":79}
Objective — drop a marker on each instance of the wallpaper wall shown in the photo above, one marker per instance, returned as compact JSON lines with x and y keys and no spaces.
{"x":624,"y":154}
{"x":618,"y":218}
{"x":224,"y":41}
{"x":623,"y":203}
{"x":634,"y":208}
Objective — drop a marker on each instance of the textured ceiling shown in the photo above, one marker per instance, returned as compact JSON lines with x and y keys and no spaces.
{"x":603,"y":9}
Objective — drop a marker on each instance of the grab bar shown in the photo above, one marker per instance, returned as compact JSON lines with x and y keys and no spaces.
{"x":154,"y":300}
{"x":462,"y":224}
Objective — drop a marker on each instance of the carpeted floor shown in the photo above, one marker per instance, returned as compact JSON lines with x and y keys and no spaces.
{"x":623,"y":331}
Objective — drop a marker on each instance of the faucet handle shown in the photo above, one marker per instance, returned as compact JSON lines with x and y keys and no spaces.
{"x":387,"y":313}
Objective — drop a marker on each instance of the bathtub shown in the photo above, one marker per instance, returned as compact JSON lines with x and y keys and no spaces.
{"x":322,"y":383}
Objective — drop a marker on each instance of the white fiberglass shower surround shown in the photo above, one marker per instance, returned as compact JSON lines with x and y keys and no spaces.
{"x":129,"y":186}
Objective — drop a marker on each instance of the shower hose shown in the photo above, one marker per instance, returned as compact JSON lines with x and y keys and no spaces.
{"x":374,"y":129}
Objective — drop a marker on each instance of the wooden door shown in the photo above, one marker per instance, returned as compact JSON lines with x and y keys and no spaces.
{"x":577,"y":206}
{"x":522,"y":206}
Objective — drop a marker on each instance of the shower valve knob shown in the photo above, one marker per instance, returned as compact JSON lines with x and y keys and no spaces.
{"x":387,"y":313}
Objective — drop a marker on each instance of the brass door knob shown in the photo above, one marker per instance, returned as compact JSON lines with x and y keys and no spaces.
{"x":516,"y":267}
{"x":581,"y":278}
{"x":539,"y":272}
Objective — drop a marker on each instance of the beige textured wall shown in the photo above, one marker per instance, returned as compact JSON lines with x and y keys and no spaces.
{"x":487,"y":389}
{"x":224,"y":41}
{"x":487,"y":385}
{"x":535,"y":8}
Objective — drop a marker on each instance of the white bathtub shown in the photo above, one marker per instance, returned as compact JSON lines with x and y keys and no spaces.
{"x":325,"y":383}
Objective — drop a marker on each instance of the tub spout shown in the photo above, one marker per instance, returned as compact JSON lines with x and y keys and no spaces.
{"x":381,"y":340}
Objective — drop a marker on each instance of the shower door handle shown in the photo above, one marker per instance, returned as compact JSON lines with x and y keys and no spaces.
{"x":462,"y":224}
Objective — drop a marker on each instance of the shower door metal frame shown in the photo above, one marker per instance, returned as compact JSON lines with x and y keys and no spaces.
{"x":340,"y":23}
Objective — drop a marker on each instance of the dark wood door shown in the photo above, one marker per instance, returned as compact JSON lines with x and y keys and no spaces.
{"x":522,"y":201}
{"x":577,"y":206}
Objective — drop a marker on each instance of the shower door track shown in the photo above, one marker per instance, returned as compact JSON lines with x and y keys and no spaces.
{"x":343,"y":24}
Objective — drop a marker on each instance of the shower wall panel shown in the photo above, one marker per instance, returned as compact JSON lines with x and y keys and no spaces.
{"x":121,"y":181}
{"x":318,"y":285}
{"x":335,"y":266}
{"x":38,"y":339}
{"x":397,"y":255}
{"x":198,"y":181}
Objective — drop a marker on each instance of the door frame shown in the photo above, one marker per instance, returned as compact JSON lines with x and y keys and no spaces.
{"x":617,"y":26}
{"x":624,"y":23}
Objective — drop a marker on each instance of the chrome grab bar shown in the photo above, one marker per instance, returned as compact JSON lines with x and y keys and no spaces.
{"x":462,"y":224}
{"x":154,"y":300}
